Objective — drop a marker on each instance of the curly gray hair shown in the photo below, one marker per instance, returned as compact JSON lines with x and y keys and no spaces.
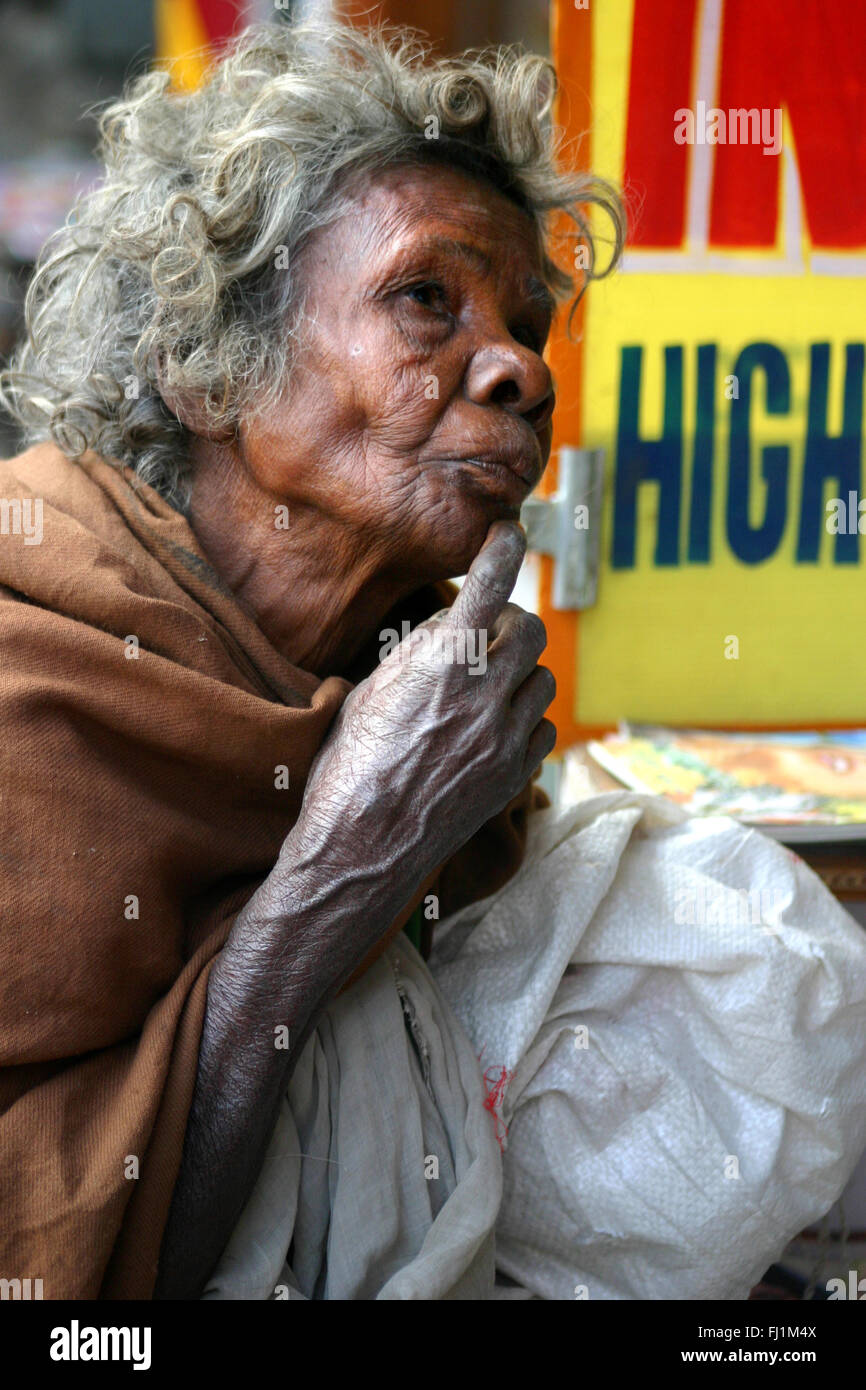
{"x":174,"y":276}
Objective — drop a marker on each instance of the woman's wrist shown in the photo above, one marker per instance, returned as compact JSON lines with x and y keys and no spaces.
{"x":325,"y":905}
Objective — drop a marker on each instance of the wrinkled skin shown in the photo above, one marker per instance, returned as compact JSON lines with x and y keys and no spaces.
{"x":383,"y":499}
{"x":423,"y":752}
{"x":369,"y":461}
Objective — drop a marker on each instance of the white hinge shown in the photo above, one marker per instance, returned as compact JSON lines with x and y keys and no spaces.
{"x":567,"y":526}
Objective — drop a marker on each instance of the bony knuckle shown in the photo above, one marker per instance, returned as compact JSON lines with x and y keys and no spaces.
{"x":535,"y":630}
{"x":511,"y":747}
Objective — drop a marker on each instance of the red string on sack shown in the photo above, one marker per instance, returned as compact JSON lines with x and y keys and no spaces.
{"x":495,"y":1093}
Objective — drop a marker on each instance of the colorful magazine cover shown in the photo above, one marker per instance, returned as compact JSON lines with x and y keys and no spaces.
{"x":783,"y":779}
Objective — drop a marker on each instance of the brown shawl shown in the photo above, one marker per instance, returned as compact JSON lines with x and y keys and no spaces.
{"x":139,"y":812}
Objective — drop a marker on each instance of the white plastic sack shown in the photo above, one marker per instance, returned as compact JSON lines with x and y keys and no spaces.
{"x":680,"y":1005}
{"x":717,"y":1107}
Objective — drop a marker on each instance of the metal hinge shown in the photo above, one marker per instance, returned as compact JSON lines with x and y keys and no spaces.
{"x":567,"y":526}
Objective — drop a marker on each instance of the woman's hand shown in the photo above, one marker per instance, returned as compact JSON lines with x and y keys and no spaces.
{"x":432,"y":744}
{"x":421,"y":755}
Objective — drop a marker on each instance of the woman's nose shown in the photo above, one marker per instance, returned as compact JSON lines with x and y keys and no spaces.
{"x":514,"y":377}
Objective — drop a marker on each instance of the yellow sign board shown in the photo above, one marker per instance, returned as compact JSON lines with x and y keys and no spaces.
{"x":722,"y":368}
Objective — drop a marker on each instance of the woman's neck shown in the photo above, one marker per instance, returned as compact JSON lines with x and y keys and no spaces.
{"x":316,"y":590}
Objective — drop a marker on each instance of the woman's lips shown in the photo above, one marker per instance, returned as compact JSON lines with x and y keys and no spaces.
{"x":517,"y":474}
{"x":500,"y":471}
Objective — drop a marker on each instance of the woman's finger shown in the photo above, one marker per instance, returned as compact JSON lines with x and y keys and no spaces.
{"x":533,"y":698}
{"x":541,"y":743}
{"x":519,"y":638}
{"x":493,"y":574}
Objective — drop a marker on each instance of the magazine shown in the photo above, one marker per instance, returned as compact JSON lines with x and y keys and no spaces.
{"x":797,"y":786}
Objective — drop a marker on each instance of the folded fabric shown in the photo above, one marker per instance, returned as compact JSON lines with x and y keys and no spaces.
{"x":383,"y":1171}
{"x":154,"y":752}
{"x":670,"y":1018}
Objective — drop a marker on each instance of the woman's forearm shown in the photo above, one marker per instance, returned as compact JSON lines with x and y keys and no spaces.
{"x":422,"y":753}
{"x":296,"y":943}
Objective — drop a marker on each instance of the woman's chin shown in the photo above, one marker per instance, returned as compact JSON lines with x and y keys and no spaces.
{"x":456,"y":543}
{"x":498,"y":490}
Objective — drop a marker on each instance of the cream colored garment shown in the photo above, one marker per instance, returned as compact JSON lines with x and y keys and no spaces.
{"x":388,"y":1079}
{"x":685,"y":1086}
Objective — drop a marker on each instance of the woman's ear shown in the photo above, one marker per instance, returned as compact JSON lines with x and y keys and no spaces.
{"x":191,"y":411}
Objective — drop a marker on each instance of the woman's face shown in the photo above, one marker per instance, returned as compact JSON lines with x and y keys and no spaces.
{"x":419,"y":409}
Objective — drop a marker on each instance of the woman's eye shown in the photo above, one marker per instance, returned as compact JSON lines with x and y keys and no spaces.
{"x":429,"y":294}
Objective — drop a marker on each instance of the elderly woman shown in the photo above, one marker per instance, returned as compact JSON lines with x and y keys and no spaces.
{"x":291,"y":351}
{"x":284,"y":376}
